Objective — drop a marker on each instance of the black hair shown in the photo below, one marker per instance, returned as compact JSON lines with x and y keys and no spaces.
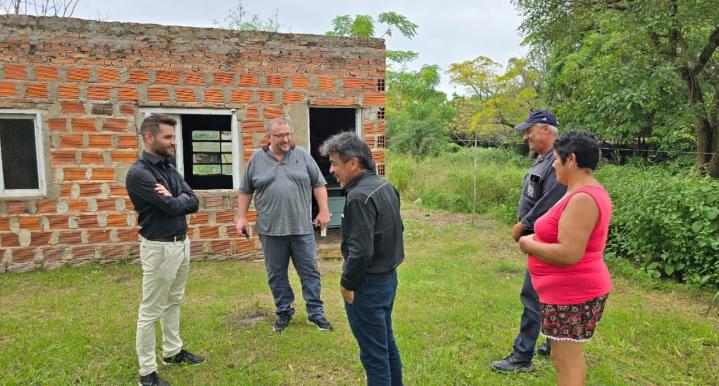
{"x":348,"y":145}
{"x":152,"y":123}
{"x":582,"y":143}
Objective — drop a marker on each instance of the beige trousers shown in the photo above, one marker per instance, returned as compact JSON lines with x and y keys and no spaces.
{"x":165,"y":266}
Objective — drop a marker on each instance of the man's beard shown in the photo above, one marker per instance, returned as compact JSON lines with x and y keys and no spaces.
{"x":163,"y":151}
{"x":282,"y":148}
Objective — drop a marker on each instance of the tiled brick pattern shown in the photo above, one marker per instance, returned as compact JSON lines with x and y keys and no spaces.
{"x":90,"y":92}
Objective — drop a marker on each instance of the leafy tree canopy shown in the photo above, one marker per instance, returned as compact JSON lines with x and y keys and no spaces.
{"x":635,"y":71}
{"x":417,"y":114}
{"x":364,"y":26}
{"x":498,"y":100}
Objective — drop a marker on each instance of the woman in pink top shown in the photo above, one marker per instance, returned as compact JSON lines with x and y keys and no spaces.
{"x":566,"y":260}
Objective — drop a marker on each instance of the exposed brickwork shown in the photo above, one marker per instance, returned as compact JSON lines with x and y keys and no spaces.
{"x":68,"y":91}
{"x":77,"y":74}
{"x":91,"y":82}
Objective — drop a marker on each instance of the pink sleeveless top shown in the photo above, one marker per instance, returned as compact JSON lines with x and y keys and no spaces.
{"x":584,"y":280}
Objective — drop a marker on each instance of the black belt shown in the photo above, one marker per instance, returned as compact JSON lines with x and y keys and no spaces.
{"x":181,"y":237}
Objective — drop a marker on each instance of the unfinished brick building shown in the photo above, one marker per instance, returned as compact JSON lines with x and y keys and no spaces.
{"x":72,"y":95}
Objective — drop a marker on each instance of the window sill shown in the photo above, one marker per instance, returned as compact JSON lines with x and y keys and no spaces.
{"x":20,"y":196}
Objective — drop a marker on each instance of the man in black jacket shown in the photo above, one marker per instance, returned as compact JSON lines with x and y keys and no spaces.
{"x":372,"y":248}
{"x":162,"y":199}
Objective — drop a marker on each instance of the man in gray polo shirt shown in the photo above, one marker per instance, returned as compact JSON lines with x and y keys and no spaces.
{"x":282,"y":177}
{"x":540,"y":191}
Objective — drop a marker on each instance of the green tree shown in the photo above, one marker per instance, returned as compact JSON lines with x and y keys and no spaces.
{"x":417,"y":114}
{"x":364,"y":26}
{"x":478,"y":75}
{"x":497,"y":100}
{"x":656,"y":81}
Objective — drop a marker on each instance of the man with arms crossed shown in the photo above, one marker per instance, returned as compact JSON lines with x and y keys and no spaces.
{"x":539,"y":192}
{"x":282,"y":177}
{"x":372,"y":248}
{"x":161,"y":198}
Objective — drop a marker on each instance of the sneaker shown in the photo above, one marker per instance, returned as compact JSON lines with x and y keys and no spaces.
{"x":184,"y":358}
{"x":512,"y":363}
{"x":544,"y":349}
{"x":283,"y":320}
{"x":152,"y":380}
{"x":321,"y":323}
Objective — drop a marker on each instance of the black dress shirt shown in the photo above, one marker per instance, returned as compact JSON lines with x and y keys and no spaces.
{"x":159,"y":217}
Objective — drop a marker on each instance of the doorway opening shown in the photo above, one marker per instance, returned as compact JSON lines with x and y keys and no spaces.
{"x":324,"y":123}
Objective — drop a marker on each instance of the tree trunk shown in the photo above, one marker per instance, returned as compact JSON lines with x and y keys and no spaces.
{"x":713,"y":167}
{"x":705,"y":146}
{"x":706,"y":157}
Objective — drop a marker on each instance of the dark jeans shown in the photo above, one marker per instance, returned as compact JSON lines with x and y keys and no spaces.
{"x":370,"y":318}
{"x":530,"y":324}
{"x":303,"y":252}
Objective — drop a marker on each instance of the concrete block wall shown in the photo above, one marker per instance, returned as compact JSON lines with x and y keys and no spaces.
{"x":90,"y":81}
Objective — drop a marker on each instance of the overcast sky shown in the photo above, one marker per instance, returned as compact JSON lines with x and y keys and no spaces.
{"x":449,"y":31}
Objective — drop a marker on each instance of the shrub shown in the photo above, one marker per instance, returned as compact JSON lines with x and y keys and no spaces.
{"x":399,"y":169}
{"x":664,"y":220}
{"x":667,"y":222}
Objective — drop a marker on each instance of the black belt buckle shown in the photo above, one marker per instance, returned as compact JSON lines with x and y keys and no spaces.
{"x":173,"y":239}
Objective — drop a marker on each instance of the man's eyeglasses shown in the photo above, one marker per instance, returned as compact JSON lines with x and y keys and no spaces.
{"x":282,"y":135}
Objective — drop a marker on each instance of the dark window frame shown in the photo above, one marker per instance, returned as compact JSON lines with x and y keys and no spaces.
{"x":238,"y":149}
{"x":198,"y":180}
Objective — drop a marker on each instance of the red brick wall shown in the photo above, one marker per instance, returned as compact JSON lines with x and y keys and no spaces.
{"x":90,"y":79}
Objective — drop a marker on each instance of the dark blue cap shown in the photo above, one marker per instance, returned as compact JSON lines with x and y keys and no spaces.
{"x":538,"y":116}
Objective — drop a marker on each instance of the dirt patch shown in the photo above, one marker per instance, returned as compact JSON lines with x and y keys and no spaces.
{"x":246,"y":317}
{"x":439,"y":218}
{"x":124,"y":277}
{"x":676,"y":301}
{"x":330,"y":265}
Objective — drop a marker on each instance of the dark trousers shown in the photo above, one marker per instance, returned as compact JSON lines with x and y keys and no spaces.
{"x":303,"y":252}
{"x":370,"y":318}
{"x":529,"y":324}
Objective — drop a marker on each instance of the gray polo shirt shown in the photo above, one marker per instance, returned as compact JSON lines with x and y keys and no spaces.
{"x":283,"y":191}
{"x":540,"y":191}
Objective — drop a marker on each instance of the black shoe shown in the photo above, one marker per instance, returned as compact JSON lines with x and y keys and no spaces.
{"x":152,"y":380}
{"x":544,"y":349}
{"x":321,"y":323}
{"x":184,"y":358}
{"x":283,"y":320}
{"x":512,"y":363}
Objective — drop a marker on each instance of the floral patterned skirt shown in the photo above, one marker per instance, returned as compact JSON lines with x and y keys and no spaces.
{"x":572,"y":322}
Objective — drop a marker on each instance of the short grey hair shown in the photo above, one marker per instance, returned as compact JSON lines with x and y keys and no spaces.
{"x":554,"y":130}
{"x":278,"y":122}
{"x":348,"y":145}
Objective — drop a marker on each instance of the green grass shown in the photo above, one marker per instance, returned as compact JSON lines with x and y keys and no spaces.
{"x":457,"y":309}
